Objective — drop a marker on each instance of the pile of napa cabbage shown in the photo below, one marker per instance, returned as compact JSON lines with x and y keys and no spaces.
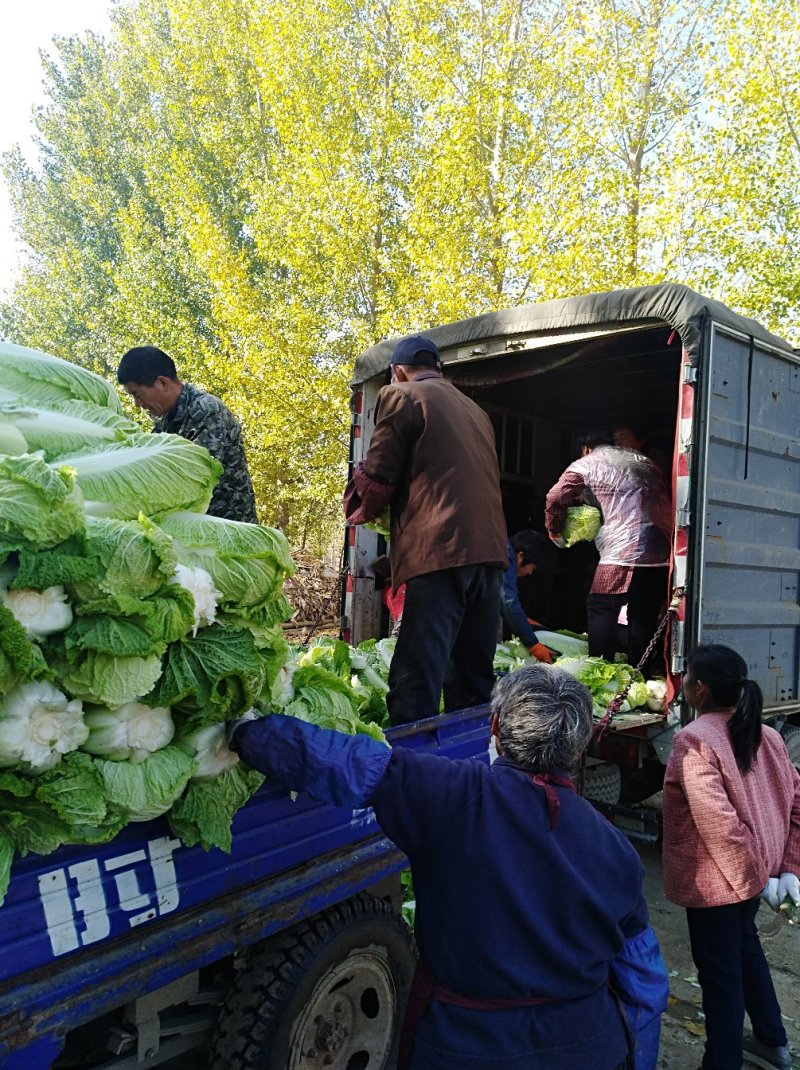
{"x":132,"y":624}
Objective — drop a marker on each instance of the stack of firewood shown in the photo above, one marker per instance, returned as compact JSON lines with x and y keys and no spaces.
{"x":315,"y":595}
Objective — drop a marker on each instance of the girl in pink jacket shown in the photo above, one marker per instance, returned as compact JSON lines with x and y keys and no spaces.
{"x":731,"y":838}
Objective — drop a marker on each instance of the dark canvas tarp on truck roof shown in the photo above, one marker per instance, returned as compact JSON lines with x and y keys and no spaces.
{"x":667,"y":304}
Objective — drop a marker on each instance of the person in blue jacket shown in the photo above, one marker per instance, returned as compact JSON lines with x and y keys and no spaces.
{"x":530,"y":910}
{"x":528,"y":552}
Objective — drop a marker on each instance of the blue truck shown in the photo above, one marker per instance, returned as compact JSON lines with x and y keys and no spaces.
{"x":290,"y":952}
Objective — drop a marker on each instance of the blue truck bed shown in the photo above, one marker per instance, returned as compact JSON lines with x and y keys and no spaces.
{"x":89,"y":929}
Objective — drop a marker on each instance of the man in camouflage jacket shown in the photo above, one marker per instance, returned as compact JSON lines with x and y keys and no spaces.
{"x":151,"y":379}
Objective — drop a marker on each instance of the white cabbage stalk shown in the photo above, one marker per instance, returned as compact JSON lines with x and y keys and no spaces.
{"x":209,"y":748}
{"x":38,"y":723}
{"x":131,"y":732}
{"x":40,"y":613}
{"x":200,"y":585}
{"x":657,"y":695}
{"x":283,"y":688}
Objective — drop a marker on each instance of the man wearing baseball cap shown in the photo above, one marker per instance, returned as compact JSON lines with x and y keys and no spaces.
{"x":432,"y":457}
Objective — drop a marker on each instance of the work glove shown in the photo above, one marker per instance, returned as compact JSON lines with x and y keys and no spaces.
{"x":789,"y":888}
{"x":535,"y":623}
{"x":542,"y":653}
{"x":230,"y":727}
{"x":559,"y":541}
{"x":770,"y":893}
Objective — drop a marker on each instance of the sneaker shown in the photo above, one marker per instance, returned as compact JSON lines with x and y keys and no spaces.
{"x":769,"y":1058}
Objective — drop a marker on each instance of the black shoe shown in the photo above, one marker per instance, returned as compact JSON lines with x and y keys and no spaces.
{"x":769,"y":1058}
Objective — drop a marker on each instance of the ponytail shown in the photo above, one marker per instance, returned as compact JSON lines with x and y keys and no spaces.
{"x":724,"y":672}
{"x":745,"y":725}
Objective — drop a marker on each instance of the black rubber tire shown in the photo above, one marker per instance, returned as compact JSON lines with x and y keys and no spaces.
{"x":330,"y":957}
{"x":791,"y":737}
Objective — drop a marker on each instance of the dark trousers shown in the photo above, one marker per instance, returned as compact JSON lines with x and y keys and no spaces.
{"x":645,"y":598}
{"x":447,"y":640}
{"x":734,"y":977}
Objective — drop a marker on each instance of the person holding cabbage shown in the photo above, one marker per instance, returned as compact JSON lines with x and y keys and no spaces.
{"x":150,"y":377}
{"x":633,"y":542}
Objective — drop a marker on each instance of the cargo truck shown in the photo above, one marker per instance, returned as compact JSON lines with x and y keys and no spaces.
{"x":290,"y":952}
{"x":720,"y":397}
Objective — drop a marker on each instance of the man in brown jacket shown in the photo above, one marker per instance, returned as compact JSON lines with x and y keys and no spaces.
{"x":432,"y":457}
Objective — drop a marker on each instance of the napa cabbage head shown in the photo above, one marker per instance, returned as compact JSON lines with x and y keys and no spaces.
{"x":130,"y":732}
{"x":209,"y":749}
{"x":657,"y":695}
{"x":247,"y":562}
{"x":143,"y":791}
{"x":581,"y":524}
{"x":638,"y":694}
{"x":30,"y":376}
{"x":64,"y":427}
{"x":38,"y":724}
{"x":40,"y":613}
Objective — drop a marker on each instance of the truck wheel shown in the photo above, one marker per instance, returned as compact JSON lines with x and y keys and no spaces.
{"x":791,"y":737}
{"x":602,"y":782}
{"x":330,"y":993}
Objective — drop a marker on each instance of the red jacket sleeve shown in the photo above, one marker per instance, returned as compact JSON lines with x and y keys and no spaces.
{"x":568,"y":491}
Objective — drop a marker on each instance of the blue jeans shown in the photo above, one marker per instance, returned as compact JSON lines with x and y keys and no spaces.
{"x":734,"y":977}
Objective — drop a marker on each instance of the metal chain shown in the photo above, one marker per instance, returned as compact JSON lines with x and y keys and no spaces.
{"x":614,"y":706}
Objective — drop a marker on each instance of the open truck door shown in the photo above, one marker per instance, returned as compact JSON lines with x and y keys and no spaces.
{"x":745,"y":528}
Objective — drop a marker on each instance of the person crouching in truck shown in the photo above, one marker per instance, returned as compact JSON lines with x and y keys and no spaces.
{"x":150,"y":377}
{"x":633,"y":542}
{"x":432,"y":458}
{"x":531,"y":920}
{"x":528,"y":552}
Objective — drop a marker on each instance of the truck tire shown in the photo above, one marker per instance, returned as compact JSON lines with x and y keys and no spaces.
{"x":602,"y":782}
{"x":791,"y":737}
{"x":330,"y":993}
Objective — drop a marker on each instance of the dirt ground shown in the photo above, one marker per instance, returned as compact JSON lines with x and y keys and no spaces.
{"x":682,"y":1025}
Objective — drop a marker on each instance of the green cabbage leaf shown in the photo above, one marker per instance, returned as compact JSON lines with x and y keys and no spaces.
{"x":145,"y":790}
{"x":150,"y":474}
{"x":40,"y":504}
{"x":218,"y":674}
{"x":40,"y":379}
{"x":205,"y":811}
{"x":65,"y":427}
